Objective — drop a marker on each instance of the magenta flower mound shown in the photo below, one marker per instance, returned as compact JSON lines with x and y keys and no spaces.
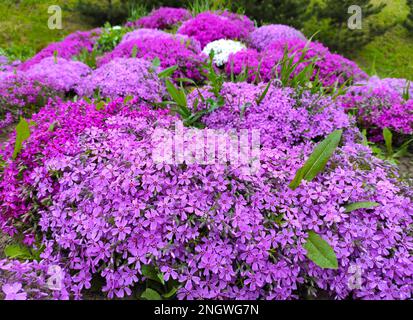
{"x":144,"y":33}
{"x":162,"y":18}
{"x":58,"y":73}
{"x":155,"y":33}
{"x":170,"y":51}
{"x":20,"y":95}
{"x":247,"y":60}
{"x":331,"y":68}
{"x":263,"y":36}
{"x":71,"y":46}
{"x":122,"y":77}
{"x":210,"y":227}
{"x":380,"y":103}
{"x":207,"y":27}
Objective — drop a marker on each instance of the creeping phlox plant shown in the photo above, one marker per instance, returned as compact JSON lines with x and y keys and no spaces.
{"x":207,"y":27}
{"x":69,"y":47}
{"x":122,"y":77}
{"x":162,"y":18}
{"x":382,"y":103}
{"x":263,"y":36}
{"x":110,"y":188}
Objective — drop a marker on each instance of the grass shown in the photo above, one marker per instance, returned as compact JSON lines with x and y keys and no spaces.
{"x":23,"y":27}
{"x":389,"y":55}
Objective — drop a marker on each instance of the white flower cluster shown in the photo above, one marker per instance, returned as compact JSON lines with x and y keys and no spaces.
{"x":222,"y":49}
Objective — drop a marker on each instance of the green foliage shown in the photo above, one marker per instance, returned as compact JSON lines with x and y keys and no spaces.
{"x":150,"y":294}
{"x":290,"y":12}
{"x":361,"y":205}
{"x":320,"y":252}
{"x":136,"y":11}
{"x":199,"y":6}
{"x":331,"y":18}
{"x":22,"y":252}
{"x":318,"y":159}
{"x":22,"y":134}
{"x":387,"y":152}
{"x":109,"y":38}
{"x":409,"y":21}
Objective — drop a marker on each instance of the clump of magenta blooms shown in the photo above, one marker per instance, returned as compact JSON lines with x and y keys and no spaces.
{"x":84,"y":200}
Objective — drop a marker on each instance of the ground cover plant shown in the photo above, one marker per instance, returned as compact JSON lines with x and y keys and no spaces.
{"x":90,"y":210}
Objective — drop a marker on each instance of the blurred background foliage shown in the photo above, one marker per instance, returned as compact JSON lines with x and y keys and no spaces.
{"x":384,"y":46}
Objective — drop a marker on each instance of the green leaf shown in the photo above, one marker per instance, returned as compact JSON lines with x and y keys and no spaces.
{"x":318,"y":159}
{"x":16,"y":251}
{"x":150,"y":294}
{"x":264,"y":93}
{"x":100,"y":105}
{"x":134,"y":51}
{"x":320,"y":252}
{"x":127,"y":99}
{"x":361,"y":205}
{"x":388,"y":139}
{"x":166,"y":73}
{"x":22,"y":134}
{"x":176,"y":94}
{"x":155,"y":63}
{"x":171,"y":293}
{"x":150,"y":272}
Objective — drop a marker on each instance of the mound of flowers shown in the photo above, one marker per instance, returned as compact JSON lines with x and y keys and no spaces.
{"x":122,"y":77}
{"x":263,"y":36}
{"x":69,"y":47}
{"x":111,"y":185}
{"x":381,"y":103}
{"x":170,"y":51}
{"x":162,"y":18}
{"x":330,"y":68}
{"x":207,"y":27}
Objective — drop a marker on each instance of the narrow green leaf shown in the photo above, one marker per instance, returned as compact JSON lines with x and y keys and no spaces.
{"x":150,"y":294}
{"x":22,"y":134}
{"x":166,"y":73}
{"x":388,"y":139}
{"x":171,"y":293}
{"x":320,"y":252}
{"x":134,"y":51}
{"x":176,"y":94}
{"x":361,"y":205}
{"x":264,"y":93}
{"x":318,"y":159}
{"x":155,"y":63}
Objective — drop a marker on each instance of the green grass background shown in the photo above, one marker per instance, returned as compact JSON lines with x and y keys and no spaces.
{"x":24,"y":27}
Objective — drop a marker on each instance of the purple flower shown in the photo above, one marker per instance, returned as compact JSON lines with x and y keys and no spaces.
{"x":13,"y":291}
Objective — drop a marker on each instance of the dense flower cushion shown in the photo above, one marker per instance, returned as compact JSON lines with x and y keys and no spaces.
{"x":207,"y":27}
{"x":122,"y":77}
